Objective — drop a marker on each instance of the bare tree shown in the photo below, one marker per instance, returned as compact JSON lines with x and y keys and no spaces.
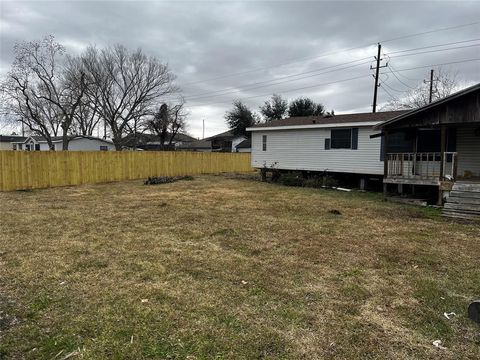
{"x":84,"y":99}
{"x":127,"y":86}
{"x":86,"y":119}
{"x":167,"y":122}
{"x":444,"y":84}
{"x":26,"y":94}
{"x":42,"y":93}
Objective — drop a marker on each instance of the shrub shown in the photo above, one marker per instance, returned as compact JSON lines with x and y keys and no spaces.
{"x":276,"y":175}
{"x":154,"y":180}
{"x":292,"y":179}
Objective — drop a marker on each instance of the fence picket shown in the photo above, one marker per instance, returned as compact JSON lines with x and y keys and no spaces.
{"x":21,"y":170}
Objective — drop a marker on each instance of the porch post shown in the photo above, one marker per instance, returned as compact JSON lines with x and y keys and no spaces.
{"x":385,"y":162}
{"x":443,"y":149}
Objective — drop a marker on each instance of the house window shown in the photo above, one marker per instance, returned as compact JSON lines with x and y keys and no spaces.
{"x":37,"y":147}
{"x":103,"y":148}
{"x":344,"y":139}
{"x":264,"y":143}
{"x":14,"y":146}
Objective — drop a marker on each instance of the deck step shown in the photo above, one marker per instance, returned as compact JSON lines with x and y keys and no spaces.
{"x":461,"y":216}
{"x":465,"y":194}
{"x":463,"y":202}
{"x":471,"y":187}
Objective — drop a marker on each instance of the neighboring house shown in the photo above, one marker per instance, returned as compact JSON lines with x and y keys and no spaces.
{"x":244,"y":146}
{"x":7,"y":140}
{"x":438,"y":145}
{"x":336,"y":144}
{"x":151,"y":142}
{"x":197,"y":145}
{"x":77,"y":143}
{"x":223,"y":142}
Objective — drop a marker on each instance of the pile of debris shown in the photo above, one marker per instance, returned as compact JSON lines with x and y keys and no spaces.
{"x":155,"y":180}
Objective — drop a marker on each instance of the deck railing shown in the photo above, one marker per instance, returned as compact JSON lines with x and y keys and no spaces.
{"x":422,"y":166}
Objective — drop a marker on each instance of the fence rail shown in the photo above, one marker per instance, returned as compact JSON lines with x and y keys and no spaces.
{"x":20,"y":170}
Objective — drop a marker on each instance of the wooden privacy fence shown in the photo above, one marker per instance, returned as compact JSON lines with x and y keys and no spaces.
{"x":20,"y":170}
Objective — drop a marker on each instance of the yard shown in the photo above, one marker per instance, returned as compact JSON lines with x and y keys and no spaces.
{"x":226,"y":267}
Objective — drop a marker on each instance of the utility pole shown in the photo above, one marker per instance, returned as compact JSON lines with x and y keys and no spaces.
{"x":377,"y":69}
{"x":431,"y":86}
{"x":203,"y":131}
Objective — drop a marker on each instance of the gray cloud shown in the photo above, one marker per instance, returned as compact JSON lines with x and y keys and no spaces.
{"x":203,"y":40}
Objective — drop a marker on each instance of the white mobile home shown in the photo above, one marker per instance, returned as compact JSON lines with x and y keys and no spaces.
{"x":336,"y":144}
{"x":76,"y":143}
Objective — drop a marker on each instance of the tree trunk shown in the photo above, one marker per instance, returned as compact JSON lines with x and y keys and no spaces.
{"x":65,"y":141}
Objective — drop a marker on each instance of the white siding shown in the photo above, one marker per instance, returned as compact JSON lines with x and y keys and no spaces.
{"x":237,"y":141}
{"x":303,"y":149}
{"x":468,"y":148}
{"x":6,"y":145}
{"x":87,"y":145}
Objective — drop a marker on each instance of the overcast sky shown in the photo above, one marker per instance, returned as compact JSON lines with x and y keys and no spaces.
{"x":205,"y":42}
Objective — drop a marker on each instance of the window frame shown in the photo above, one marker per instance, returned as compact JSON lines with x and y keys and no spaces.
{"x":332,"y":140}
{"x":264,"y":142}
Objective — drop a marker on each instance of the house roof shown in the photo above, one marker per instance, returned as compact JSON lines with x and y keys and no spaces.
{"x":143,"y":139}
{"x":245,"y":144}
{"x":324,"y":121}
{"x":428,"y":107}
{"x":11,"y":138}
{"x":42,"y":139}
{"x":198,"y":144}
{"x":225,"y":135}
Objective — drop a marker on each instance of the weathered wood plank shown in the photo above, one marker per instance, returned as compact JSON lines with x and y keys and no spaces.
{"x":462,"y":206}
{"x":463,"y":200}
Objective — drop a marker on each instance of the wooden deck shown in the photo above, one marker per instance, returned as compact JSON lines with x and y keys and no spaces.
{"x":432,"y":168}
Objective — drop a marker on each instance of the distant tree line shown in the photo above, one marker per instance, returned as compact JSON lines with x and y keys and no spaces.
{"x":241,"y":117}
{"x":55,"y":94}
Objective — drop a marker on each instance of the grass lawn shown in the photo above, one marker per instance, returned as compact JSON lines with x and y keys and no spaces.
{"x":229,"y":268}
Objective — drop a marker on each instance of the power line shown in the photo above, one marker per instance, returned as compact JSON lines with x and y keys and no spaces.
{"x":391,"y":88}
{"x":333,"y":53}
{"x":433,"y":65}
{"x":301,"y":88}
{"x":402,"y":75}
{"x":438,"y":50}
{"x":273,"y":82}
{"x":340,"y":81}
{"x":229,"y":90}
{"x":388,"y":93}
{"x":400,"y":81}
{"x":432,"y":31}
{"x":433,"y":46}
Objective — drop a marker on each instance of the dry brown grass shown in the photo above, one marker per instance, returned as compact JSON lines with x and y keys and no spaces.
{"x":231,"y":268}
